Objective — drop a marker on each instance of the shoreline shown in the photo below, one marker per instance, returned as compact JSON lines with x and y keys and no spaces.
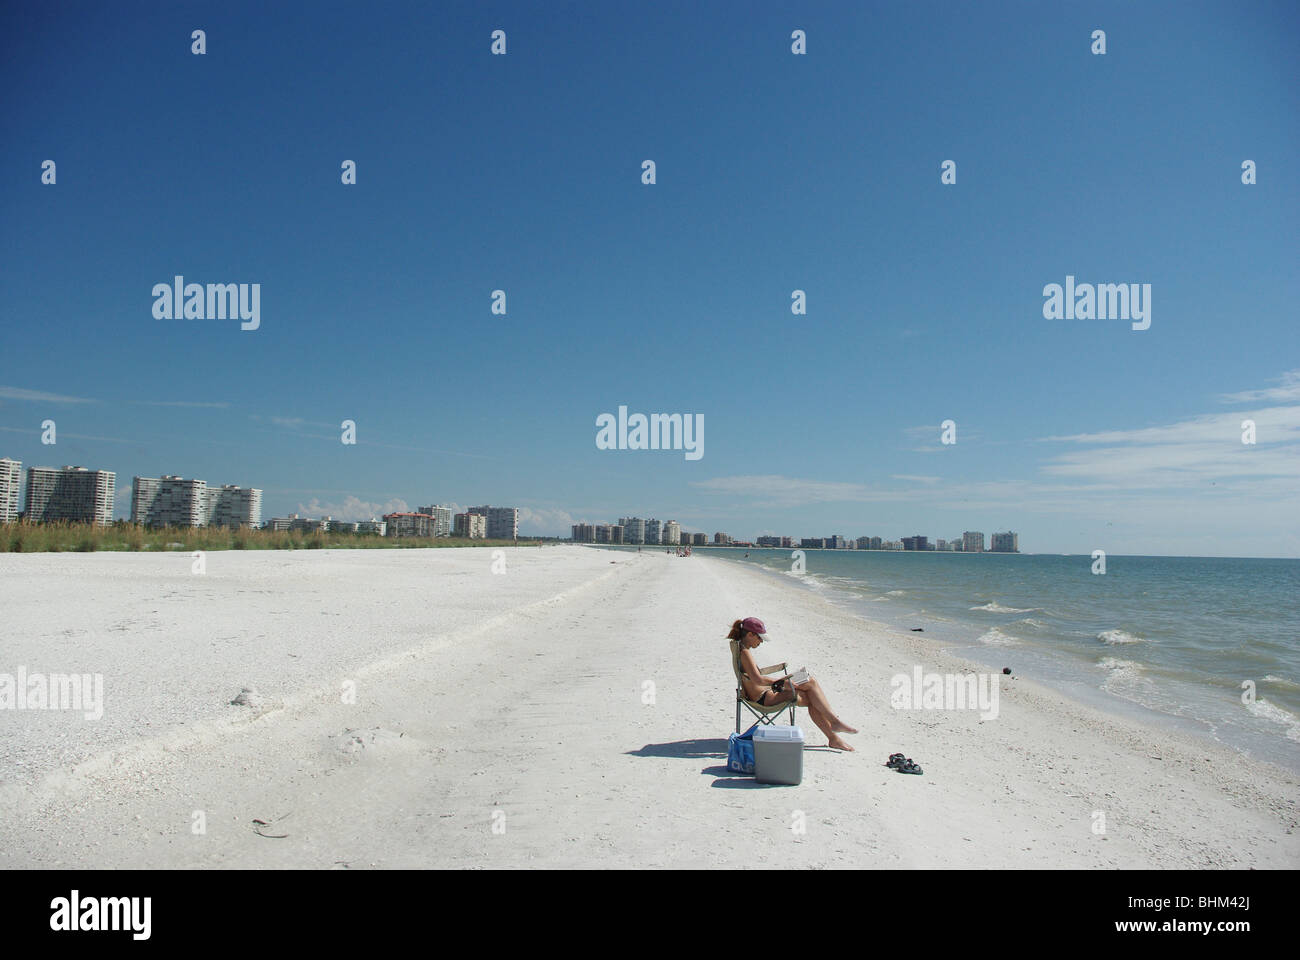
{"x":1064,"y":672}
{"x":1154,"y":722}
{"x":523,"y":699}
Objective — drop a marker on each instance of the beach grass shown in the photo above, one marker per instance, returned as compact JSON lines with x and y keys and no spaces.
{"x":22,"y":537}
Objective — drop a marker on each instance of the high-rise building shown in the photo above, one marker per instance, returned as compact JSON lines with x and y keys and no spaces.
{"x":1004,"y":542}
{"x":230,"y":505}
{"x":442,"y":519}
{"x":698,"y":539}
{"x":168,"y":501}
{"x":652,"y":531}
{"x":502,"y":522}
{"x":671,"y":535}
{"x":74,"y":494}
{"x":972,"y":542}
{"x":11,"y":474}
{"x":917,"y":542}
{"x":470,"y":525}
{"x":721,"y":539}
{"x":616,"y":533}
{"x":768,"y":541}
{"x":409,"y":524}
{"x":584,"y":533}
{"x":633,"y":529}
{"x":171,"y":501}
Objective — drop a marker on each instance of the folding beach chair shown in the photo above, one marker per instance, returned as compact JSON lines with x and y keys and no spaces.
{"x":765,"y":712}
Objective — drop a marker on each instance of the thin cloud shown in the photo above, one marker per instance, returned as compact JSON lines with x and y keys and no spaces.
{"x":930,"y":437}
{"x":788,"y":491}
{"x":295,"y":423}
{"x":1288,"y":389}
{"x":1272,"y":424}
{"x":39,"y":396}
{"x":70,"y":436}
{"x":545,"y":522}
{"x":352,"y":508}
{"x":215,"y":405}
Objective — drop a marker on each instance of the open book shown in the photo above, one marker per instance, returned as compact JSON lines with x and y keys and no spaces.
{"x":800,"y":676}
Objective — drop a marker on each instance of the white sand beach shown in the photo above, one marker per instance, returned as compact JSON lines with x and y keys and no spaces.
{"x":515,"y":700}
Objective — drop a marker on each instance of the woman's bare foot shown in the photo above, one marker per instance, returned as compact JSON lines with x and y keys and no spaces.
{"x":839,"y":726}
{"x":837,"y":744}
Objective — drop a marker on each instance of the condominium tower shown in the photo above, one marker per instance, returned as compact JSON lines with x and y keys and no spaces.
{"x":171,"y":501}
{"x":1005,"y":543}
{"x":168,"y":501}
{"x":471,"y":525}
{"x":233,"y":506}
{"x":410,"y":524}
{"x":502,"y":522}
{"x":441,"y":519}
{"x":74,"y":494}
{"x":10,"y":480}
{"x":633,"y":529}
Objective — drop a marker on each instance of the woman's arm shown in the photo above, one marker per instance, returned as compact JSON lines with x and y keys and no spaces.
{"x":749,"y":667}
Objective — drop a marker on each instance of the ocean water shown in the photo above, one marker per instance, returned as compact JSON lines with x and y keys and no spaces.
{"x":1170,"y":639}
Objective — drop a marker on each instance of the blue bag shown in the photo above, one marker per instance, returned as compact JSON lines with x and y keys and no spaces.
{"x":740,"y":752}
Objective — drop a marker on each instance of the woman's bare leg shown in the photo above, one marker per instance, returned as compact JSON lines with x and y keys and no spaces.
{"x":824,"y":719}
{"x":816,"y":696}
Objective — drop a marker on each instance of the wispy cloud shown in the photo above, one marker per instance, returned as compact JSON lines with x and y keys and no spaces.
{"x":1288,"y":389}
{"x":296,"y":424}
{"x":1159,"y":468}
{"x":352,"y":508}
{"x":216,"y":405}
{"x":39,"y":396}
{"x":440,"y":452}
{"x":1193,"y":452}
{"x":929,"y":439}
{"x":776,"y":490}
{"x":292,"y":423}
{"x":69,"y":436}
{"x":545,"y":522}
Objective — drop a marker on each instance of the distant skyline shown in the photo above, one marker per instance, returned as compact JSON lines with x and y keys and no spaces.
{"x":775,"y":173}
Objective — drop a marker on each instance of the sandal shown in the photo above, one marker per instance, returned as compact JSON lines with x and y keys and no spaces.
{"x":894,"y":760}
{"x":907,"y":766}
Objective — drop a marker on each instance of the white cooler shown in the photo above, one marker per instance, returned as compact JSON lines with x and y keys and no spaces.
{"x":778,"y":754}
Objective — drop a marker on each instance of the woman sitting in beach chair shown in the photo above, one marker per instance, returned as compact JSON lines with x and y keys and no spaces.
{"x":750,"y":632}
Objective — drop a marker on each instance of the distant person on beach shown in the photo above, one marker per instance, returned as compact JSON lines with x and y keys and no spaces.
{"x":769,"y":690}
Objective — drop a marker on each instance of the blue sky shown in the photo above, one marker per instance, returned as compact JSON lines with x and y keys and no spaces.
{"x":775,"y":172}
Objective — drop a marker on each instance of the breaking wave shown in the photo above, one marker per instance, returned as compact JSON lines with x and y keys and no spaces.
{"x":1118,"y":637}
{"x":997,"y":638}
{"x":994,"y":607}
{"x":1270,"y":711}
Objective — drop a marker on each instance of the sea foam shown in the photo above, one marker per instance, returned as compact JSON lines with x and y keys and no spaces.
{"x":1119,"y":636}
{"x":994,"y":607}
{"x":1269,"y":711}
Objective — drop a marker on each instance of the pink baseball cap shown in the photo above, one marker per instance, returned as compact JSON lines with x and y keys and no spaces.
{"x":753,"y":625}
